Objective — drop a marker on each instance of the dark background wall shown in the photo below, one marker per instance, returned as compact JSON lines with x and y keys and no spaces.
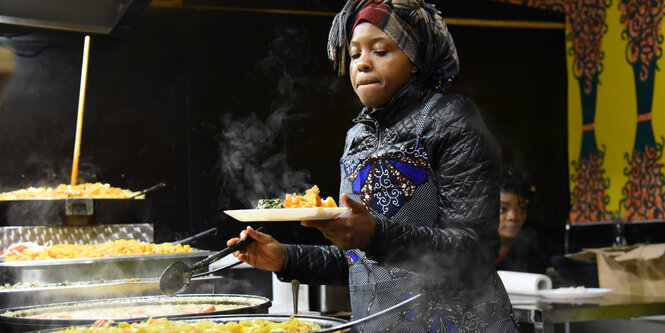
{"x":227,"y":106}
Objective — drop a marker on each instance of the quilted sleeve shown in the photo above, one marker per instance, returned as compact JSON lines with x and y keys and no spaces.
{"x":465,"y":160}
{"x":315,"y":264}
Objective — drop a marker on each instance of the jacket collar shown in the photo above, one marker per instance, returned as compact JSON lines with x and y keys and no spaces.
{"x":412,"y":93}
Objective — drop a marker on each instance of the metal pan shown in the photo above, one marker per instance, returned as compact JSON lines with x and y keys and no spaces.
{"x":77,"y":210}
{"x":85,"y":269}
{"x":322,"y":321}
{"x":96,"y":289}
{"x":74,"y":211}
{"x":16,"y":319}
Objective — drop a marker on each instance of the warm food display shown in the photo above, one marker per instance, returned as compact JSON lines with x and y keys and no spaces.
{"x":122,"y":247}
{"x":311,"y":199}
{"x":122,"y":311}
{"x":169,"y":326}
{"x":30,"y":285}
{"x":87,"y":190}
{"x":125,"y":311}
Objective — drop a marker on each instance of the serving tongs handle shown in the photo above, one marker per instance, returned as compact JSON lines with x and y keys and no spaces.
{"x":148,"y":190}
{"x":223,"y":253}
{"x":209,"y":232}
{"x":218,"y":269}
{"x":399,"y":306}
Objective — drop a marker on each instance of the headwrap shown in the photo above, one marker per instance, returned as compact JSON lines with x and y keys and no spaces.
{"x":415,"y":26}
{"x":512,"y":181}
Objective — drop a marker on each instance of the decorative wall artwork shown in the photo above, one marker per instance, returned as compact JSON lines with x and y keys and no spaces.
{"x":616,"y":108}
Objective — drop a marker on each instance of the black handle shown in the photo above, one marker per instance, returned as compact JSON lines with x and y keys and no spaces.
{"x":219,"y":269}
{"x":148,"y":190}
{"x":223,"y":253}
{"x":211,"y":232}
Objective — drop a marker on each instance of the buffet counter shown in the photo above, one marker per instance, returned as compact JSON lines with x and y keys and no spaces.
{"x":544,"y":313}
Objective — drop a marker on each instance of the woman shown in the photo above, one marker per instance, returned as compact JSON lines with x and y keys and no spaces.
{"x":420,"y":173}
{"x":520,"y":247}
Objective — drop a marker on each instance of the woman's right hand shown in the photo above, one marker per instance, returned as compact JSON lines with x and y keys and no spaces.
{"x":266,"y":253}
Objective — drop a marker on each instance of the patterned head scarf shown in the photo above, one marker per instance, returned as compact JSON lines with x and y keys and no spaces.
{"x":415,"y":26}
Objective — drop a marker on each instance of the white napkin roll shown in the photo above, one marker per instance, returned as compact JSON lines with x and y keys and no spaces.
{"x":524,"y":283}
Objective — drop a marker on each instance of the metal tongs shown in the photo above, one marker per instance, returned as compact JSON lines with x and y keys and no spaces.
{"x":177,"y":276}
{"x":190,"y":239}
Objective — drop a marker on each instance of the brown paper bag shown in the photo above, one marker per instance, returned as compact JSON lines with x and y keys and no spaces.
{"x":636,"y":269}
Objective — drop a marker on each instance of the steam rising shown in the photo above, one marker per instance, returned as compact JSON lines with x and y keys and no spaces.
{"x":253,"y":151}
{"x":252,"y":162}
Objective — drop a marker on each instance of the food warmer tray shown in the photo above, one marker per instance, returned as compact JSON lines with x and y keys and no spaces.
{"x":86,"y":269}
{"x":323,"y":321}
{"x":74,"y":211}
{"x":53,"y":294}
{"x":247,"y":304}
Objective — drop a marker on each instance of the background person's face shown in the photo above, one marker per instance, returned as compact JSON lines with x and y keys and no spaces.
{"x":512,"y":215}
{"x":378,"y":68}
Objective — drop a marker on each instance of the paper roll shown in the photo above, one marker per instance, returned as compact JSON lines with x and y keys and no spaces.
{"x":524,"y":283}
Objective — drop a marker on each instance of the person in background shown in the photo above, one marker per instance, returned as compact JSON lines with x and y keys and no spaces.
{"x":421,"y":175}
{"x":520,"y":248}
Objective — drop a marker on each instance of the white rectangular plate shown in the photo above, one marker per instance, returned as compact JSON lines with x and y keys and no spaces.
{"x":286,"y":214}
{"x":586,"y":293}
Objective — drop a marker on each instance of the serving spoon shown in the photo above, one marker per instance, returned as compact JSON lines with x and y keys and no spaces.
{"x":148,"y":190}
{"x":177,"y":276}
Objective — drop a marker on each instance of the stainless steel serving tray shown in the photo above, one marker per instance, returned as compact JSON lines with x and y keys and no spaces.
{"x":74,"y":211}
{"x":19,"y":322}
{"x":322,"y":321}
{"x":85,"y":269}
{"x":82,"y":292}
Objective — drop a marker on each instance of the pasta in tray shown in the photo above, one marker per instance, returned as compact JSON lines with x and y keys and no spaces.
{"x":169,"y":326}
{"x":121,"y":247}
{"x":62,"y":191}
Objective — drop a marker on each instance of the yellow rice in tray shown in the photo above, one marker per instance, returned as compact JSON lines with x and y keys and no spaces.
{"x":122,"y":247}
{"x":169,"y":326}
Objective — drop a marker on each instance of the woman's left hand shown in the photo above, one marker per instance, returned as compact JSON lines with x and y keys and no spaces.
{"x":352,"y":232}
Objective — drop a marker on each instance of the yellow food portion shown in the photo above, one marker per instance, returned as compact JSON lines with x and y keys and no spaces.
{"x":122,"y":247}
{"x":120,"y":312}
{"x":167,"y":326}
{"x":87,"y":190}
{"x":310,"y":199}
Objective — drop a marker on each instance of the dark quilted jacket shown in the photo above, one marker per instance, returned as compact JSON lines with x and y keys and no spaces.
{"x":467,"y":169}
{"x":451,"y":238}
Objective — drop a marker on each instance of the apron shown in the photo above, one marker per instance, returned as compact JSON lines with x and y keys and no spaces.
{"x":395,"y":180}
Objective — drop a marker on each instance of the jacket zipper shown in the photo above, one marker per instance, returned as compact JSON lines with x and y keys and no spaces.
{"x":375,"y":123}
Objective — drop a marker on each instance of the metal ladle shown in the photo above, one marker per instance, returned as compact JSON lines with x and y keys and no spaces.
{"x":177,"y":276}
{"x":295,"y":288}
{"x":399,"y":306}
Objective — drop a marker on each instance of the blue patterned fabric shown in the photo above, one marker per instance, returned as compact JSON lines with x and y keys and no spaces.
{"x":387,"y":181}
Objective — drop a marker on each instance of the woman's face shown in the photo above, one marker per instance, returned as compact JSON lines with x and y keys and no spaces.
{"x":513,"y":215}
{"x":378,"y":68}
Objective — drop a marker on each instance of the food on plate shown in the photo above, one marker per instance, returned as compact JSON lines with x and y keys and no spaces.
{"x":570,"y":290}
{"x":121,"y":247}
{"x":170,"y":326}
{"x":270,"y":203}
{"x":62,"y":191}
{"x":311,"y":199}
